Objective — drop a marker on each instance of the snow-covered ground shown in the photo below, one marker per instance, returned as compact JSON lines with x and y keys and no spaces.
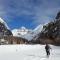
{"x":28,"y":52}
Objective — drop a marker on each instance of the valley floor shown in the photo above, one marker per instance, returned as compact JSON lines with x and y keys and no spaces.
{"x":28,"y":52}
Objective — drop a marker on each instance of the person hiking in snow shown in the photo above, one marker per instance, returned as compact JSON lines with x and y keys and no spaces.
{"x":47,"y":48}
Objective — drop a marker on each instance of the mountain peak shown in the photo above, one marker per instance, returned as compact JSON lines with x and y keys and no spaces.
{"x":20,"y":32}
{"x":23,"y":27}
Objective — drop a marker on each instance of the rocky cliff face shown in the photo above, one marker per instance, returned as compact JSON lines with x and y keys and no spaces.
{"x":4,"y":31}
{"x":51,"y":32}
{"x":52,"y":29}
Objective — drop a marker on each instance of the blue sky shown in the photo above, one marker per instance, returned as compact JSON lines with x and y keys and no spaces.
{"x":28,"y":13}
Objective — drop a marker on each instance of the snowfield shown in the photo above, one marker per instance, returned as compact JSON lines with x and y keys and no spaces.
{"x":28,"y":52}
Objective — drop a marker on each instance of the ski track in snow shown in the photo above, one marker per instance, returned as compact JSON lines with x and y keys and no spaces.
{"x":28,"y":52}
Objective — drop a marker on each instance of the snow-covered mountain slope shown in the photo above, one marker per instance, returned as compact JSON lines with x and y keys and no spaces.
{"x":3,"y":22}
{"x":27,"y":33}
{"x":38,"y":29}
{"x":28,"y":52}
{"x":34,"y":33}
{"x":20,"y":32}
